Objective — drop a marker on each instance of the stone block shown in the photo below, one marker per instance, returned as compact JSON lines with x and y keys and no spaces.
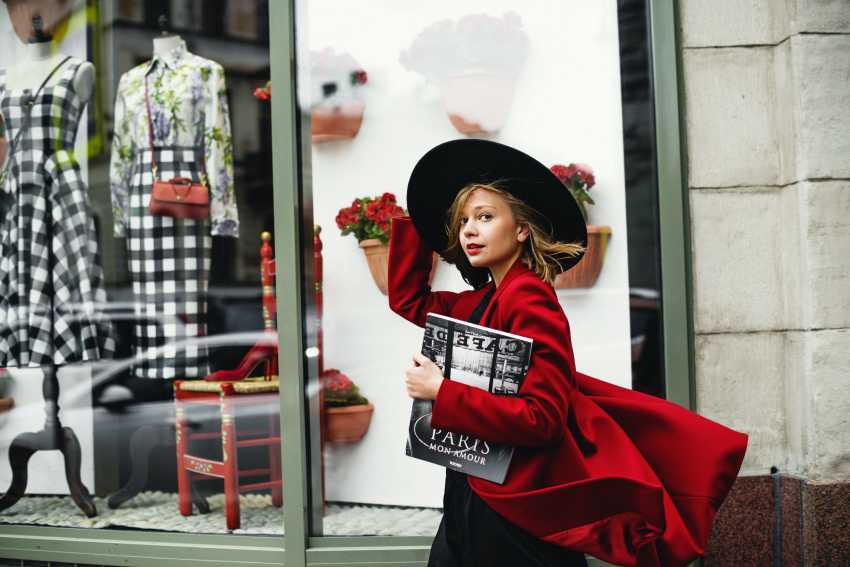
{"x":785,"y":113}
{"x":826,"y":250}
{"x":745,"y":259}
{"x":821,"y":85}
{"x":743,"y":528}
{"x":828,"y":374}
{"x":731,"y":131}
{"x":732,"y":22}
{"x":817,"y":15}
{"x":790,"y":521}
{"x":740,"y":380}
{"x":826,"y":524}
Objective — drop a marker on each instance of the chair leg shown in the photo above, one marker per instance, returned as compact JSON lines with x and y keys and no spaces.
{"x":274,"y":461}
{"x":184,"y":481}
{"x":143,"y":441}
{"x":231,"y":466}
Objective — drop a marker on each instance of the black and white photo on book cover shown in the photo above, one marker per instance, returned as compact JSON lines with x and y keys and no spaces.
{"x":480,"y":357}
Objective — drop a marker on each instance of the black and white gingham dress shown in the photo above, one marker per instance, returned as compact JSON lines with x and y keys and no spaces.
{"x":169,"y":259}
{"x":43,"y":184}
{"x":169,"y":265}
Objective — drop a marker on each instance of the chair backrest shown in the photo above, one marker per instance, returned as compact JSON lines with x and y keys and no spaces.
{"x":268,"y":269}
{"x":317,"y":259}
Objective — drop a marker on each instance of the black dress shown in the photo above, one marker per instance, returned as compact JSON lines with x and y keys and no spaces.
{"x":471,"y":534}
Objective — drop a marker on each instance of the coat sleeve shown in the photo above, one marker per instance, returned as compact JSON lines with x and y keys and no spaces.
{"x":407,"y":280}
{"x":536,"y":416}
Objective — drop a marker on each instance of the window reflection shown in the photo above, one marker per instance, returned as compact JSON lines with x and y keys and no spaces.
{"x":569,"y":85}
{"x":145,"y":299}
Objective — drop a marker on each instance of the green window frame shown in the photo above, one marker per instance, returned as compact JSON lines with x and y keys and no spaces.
{"x":293,"y":233}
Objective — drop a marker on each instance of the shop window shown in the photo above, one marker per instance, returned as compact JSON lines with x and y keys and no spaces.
{"x":379,"y":85}
{"x":135,"y":144}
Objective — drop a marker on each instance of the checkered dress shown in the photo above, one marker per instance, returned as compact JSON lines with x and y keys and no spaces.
{"x":169,"y":264}
{"x":43,"y":191}
{"x":188,"y":128}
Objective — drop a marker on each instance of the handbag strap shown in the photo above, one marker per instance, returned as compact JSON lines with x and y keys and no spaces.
{"x":150,"y":128}
{"x":28,"y":109}
{"x":150,"y":137}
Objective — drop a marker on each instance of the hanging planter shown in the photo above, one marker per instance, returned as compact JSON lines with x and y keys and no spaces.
{"x":332,"y":93}
{"x":341,"y":122}
{"x":347,"y":413}
{"x":368,"y":219}
{"x":585,"y":273}
{"x":377,"y":257}
{"x":6,"y":402}
{"x":578,"y":178}
{"x":335,"y":96}
{"x":475,"y":62}
{"x":477,"y":102}
{"x":347,"y":424}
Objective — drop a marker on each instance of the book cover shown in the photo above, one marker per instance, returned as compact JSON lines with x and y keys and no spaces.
{"x":477,"y":356}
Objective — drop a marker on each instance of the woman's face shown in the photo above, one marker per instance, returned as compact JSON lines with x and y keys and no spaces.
{"x":489,"y":233}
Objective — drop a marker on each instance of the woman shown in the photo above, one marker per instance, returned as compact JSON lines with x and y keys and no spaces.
{"x":590,"y":473}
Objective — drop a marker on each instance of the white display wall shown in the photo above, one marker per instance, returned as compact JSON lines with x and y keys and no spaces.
{"x":566,"y":109}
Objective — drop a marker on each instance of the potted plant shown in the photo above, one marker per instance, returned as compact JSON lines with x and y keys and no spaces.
{"x":332,"y":95}
{"x":475,"y":62}
{"x":335,"y":95}
{"x":347,"y":412}
{"x":6,"y":402}
{"x":368,"y":220}
{"x":579,"y":179}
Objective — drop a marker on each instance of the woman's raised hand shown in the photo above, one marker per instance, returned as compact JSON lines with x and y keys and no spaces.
{"x":423,"y":380}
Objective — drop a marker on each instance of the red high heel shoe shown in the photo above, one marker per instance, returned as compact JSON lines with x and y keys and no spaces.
{"x":259,"y":353}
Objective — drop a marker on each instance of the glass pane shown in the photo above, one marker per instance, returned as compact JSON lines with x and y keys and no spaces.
{"x":381,"y":83}
{"x":137,"y":148}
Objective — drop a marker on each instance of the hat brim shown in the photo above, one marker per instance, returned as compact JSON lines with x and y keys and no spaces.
{"x":449,"y":167}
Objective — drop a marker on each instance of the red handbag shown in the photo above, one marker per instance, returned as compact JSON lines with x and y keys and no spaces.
{"x":178,"y":197}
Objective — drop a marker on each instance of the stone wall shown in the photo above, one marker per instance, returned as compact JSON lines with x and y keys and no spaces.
{"x":767,"y":119}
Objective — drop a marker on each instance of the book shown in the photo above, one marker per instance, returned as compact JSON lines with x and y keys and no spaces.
{"x":477,"y":356}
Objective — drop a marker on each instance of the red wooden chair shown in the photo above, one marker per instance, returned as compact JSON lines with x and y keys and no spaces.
{"x":230,"y":390}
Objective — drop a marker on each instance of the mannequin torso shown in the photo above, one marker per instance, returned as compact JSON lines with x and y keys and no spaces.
{"x":39,"y":61}
{"x":162,"y":45}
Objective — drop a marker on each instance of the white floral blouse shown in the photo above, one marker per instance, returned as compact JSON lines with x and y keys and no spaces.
{"x":188,"y":108}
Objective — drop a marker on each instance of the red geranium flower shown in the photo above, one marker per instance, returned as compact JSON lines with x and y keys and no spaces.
{"x":578,"y":178}
{"x":369,"y":217}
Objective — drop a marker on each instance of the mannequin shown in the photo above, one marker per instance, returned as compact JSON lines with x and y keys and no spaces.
{"x":41,"y":56}
{"x":162,"y":45}
{"x":40,"y":59}
{"x":46,"y":200}
{"x":190,"y":138}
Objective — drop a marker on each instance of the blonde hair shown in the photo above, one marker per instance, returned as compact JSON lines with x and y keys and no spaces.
{"x":540,"y":252}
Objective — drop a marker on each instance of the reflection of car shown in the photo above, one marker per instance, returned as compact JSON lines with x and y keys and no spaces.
{"x":122,"y":404}
{"x":645,"y":309}
{"x":131,"y":411}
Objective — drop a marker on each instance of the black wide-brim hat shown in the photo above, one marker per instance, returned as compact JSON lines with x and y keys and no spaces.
{"x":449,"y":167}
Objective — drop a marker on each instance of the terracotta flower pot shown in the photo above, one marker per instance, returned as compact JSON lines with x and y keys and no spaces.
{"x":337,"y":123}
{"x":478,"y":102}
{"x":585,"y":273}
{"x":377,"y":256}
{"x":6,"y":404}
{"x":347,"y":424}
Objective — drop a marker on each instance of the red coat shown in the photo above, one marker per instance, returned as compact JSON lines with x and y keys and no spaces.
{"x":626,"y":477}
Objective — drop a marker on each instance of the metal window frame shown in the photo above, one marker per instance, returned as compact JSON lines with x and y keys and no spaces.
{"x":293,"y":233}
